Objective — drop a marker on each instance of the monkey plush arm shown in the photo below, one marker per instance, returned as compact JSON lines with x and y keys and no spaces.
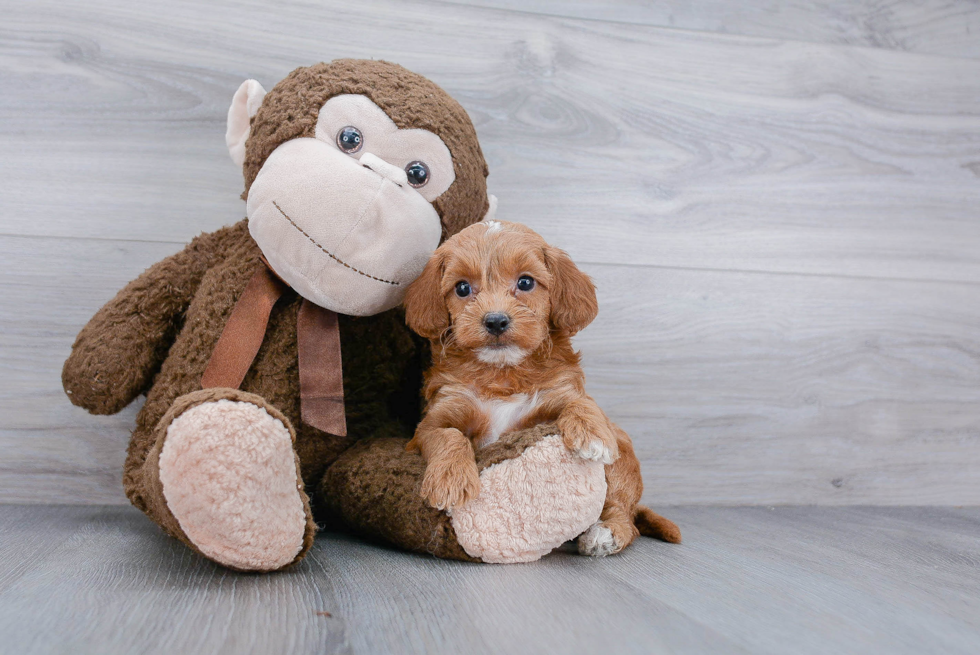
{"x":118,"y":352}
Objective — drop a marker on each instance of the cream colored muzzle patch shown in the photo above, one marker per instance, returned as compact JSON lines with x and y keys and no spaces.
{"x":344,"y":235}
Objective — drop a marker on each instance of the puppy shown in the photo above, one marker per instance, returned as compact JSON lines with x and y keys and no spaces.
{"x":500,"y":307}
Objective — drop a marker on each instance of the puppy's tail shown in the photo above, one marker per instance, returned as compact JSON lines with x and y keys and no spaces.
{"x":651,"y":524}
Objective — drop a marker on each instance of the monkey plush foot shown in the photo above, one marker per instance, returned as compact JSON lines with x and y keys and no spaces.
{"x":531,"y":504}
{"x":229,"y":477}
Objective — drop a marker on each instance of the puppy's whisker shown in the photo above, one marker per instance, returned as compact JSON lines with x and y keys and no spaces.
{"x":446,"y":339}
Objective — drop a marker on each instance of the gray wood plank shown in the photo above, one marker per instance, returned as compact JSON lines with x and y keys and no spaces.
{"x":819,"y":580}
{"x":938,"y":27}
{"x":757,"y":388}
{"x":737,"y":388}
{"x":800,"y":580}
{"x":634,"y":144}
{"x":53,"y":451}
{"x":114,"y":583}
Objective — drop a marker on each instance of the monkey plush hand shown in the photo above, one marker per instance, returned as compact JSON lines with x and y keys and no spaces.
{"x":274,"y":355}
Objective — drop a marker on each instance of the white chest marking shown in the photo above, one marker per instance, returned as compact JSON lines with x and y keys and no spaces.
{"x":505,"y":413}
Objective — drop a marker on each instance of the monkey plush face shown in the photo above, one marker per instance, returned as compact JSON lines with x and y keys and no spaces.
{"x":355,"y":171}
{"x":345,"y":216}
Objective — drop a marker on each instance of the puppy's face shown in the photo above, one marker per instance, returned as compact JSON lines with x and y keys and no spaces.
{"x":501,"y":291}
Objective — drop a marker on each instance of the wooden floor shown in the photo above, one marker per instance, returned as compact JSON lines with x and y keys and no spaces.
{"x":747,"y":580}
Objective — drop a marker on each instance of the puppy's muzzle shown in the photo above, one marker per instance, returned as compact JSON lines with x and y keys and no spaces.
{"x":496,"y":323}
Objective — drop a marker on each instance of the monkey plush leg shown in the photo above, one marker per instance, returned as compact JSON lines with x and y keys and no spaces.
{"x":534,"y":495}
{"x":223,"y":478}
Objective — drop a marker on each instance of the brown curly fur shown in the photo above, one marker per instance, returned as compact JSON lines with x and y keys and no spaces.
{"x":156,"y":336}
{"x":543,"y":319}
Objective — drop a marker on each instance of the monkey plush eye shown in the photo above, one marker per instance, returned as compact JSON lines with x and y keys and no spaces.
{"x":349,"y":139}
{"x":525,"y":283}
{"x":418,"y":174}
{"x":463,"y":288}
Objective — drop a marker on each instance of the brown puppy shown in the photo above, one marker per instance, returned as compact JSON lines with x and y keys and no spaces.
{"x":500,"y":307}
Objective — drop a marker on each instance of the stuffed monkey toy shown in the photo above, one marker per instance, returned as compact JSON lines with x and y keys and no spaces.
{"x":281,"y":381}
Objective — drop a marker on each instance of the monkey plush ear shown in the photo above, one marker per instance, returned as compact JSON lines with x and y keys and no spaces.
{"x":492,"y":210}
{"x":425,"y":306}
{"x":573,"y":300}
{"x":246,"y":102}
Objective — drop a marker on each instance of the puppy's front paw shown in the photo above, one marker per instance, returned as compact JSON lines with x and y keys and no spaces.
{"x":450,"y":483}
{"x":592,"y":442}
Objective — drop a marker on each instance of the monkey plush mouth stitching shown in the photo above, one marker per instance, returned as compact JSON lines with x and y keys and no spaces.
{"x":327,"y":252}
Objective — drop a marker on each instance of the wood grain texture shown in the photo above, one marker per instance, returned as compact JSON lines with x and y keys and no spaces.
{"x":690,"y":149}
{"x":88,"y":580}
{"x":786,"y":580}
{"x":940,"y":27}
{"x":739,"y":388}
{"x":52,"y":450}
{"x":784,"y":230}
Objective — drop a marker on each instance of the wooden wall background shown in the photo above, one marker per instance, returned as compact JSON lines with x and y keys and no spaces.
{"x":779,"y":202}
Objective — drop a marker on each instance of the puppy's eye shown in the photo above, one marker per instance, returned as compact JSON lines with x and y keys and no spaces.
{"x":525,"y":283}
{"x":463,"y":289}
{"x":349,"y":139}
{"x":418,"y":174}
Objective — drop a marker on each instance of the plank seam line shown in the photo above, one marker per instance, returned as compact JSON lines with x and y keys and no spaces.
{"x":688,"y":30}
{"x":705,"y":269}
{"x":749,"y":271}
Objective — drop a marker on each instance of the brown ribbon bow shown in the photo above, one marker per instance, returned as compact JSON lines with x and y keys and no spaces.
{"x":321,"y":380}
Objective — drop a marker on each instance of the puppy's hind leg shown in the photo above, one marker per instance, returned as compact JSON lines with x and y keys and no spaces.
{"x":615,"y":529}
{"x":623,"y":519}
{"x":614,"y":532}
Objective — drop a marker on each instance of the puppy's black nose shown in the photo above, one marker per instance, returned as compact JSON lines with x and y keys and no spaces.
{"x":496,"y":323}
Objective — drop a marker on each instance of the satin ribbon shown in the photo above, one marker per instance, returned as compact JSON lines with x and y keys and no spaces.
{"x":321,"y":380}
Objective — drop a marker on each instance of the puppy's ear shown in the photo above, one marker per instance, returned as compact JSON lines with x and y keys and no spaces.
{"x":425,"y":306}
{"x":573,"y":300}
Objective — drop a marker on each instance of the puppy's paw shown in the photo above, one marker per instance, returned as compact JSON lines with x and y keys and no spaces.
{"x":450,"y":483}
{"x":592,"y":442}
{"x":603,"y":538}
{"x":597,"y":541}
{"x":595,"y":451}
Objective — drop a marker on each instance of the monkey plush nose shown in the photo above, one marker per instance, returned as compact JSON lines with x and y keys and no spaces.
{"x":384,"y":169}
{"x":496,"y":323}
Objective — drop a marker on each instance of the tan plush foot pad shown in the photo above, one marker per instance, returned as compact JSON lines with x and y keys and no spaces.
{"x":229,"y":477}
{"x":530,"y":505}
